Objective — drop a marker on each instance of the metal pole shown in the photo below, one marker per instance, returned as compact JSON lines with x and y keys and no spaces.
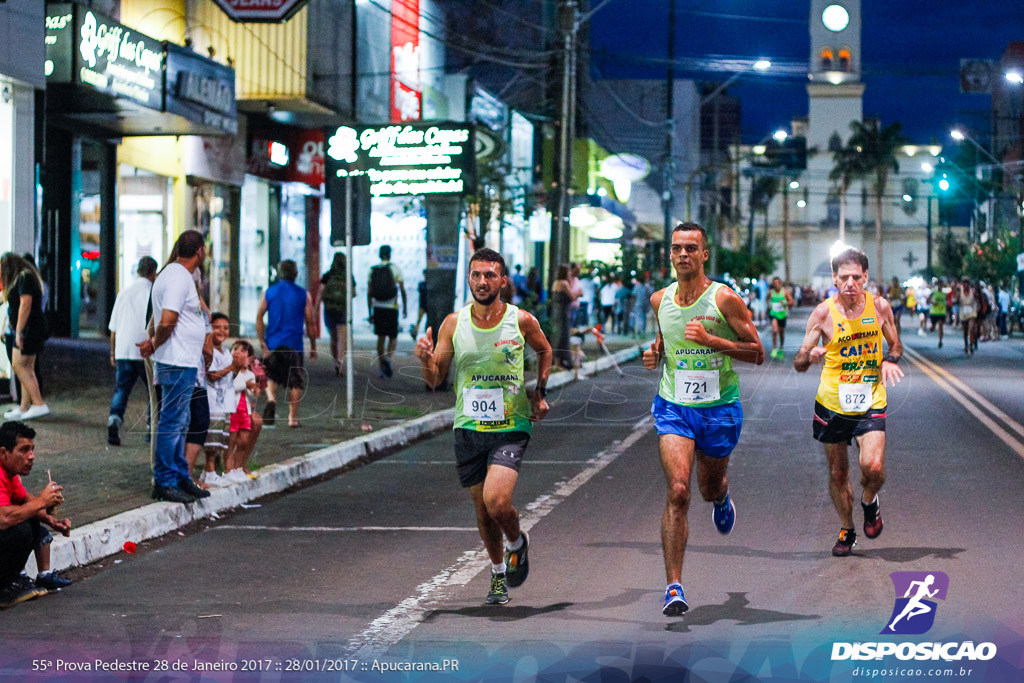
{"x":667,"y":195}
{"x":560,"y":221}
{"x":348,"y":298}
{"x":716,"y":190}
{"x":928,"y":240}
{"x":750,"y":223}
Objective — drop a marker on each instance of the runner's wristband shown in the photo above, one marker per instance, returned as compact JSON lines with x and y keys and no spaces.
{"x":891,"y":359}
{"x":543,"y":391}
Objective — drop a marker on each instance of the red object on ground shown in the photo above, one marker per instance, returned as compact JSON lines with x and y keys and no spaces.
{"x":129,"y":547}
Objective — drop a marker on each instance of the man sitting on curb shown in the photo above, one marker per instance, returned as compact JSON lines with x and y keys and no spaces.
{"x":21,"y":518}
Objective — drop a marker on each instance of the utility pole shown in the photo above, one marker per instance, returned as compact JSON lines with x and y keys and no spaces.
{"x":558,"y":248}
{"x":668,"y":169}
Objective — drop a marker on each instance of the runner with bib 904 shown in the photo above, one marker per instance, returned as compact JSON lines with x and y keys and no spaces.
{"x":702,"y":327}
{"x":487,"y":339}
{"x":851,"y":399}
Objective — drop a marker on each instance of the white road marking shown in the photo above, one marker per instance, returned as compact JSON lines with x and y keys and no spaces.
{"x":948,"y":386}
{"x":389,"y":628}
{"x":243,"y":527}
{"x":981,"y":400}
{"x":388,"y":461}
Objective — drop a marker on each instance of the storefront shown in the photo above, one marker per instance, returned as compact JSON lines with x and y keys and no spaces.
{"x":119,"y":106}
{"x":282,"y":210}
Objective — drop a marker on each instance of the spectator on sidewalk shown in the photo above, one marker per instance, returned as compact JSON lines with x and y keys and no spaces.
{"x":220,"y":393}
{"x":642,"y":292}
{"x":623,"y":306}
{"x":127,"y":329}
{"x":607,"y":294}
{"x":382,"y":300}
{"x":561,"y":299}
{"x":1003,"y":298}
{"x":288,"y":308}
{"x":176,"y":348}
{"x":336,"y":294}
{"x":421,"y":296}
{"x":243,"y":427}
{"x":23,"y":292}
{"x":519,"y":282}
{"x":588,"y":289}
{"x":22,"y":517}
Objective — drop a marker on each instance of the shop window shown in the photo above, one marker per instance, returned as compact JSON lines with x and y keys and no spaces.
{"x":827,"y":59}
{"x":844,"y":59}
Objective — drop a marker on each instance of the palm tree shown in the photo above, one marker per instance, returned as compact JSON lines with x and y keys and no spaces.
{"x":878,"y":148}
{"x":847,"y":165}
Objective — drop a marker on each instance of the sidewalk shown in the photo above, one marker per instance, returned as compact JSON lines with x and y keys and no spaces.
{"x":101,"y":481}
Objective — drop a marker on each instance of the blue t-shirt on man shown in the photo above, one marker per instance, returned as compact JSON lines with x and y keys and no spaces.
{"x":286,"y":315}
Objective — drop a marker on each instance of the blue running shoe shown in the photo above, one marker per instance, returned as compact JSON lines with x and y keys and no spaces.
{"x":675,"y":601}
{"x":724,"y":515}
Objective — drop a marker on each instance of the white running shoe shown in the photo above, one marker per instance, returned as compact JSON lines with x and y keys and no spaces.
{"x":236,"y":476}
{"x":35,"y":411}
{"x":213,"y":479}
{"x":13,"y":414}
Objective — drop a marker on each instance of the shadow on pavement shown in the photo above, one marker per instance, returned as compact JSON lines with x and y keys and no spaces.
{"x":734,"y":609}
{"x":498,"y":612}
{"x":910,"y":554}
{"x":654,"y":548}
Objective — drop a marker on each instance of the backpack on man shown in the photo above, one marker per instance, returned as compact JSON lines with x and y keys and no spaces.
{"x":382,"y":283}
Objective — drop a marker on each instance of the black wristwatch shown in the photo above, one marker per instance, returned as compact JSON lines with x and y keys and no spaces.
{"x":891,"y":359}
{"x":542,"y":391}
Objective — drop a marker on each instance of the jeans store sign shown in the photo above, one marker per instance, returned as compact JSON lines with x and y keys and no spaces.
{"x":86,"y":47}
{"x":428,"y":158}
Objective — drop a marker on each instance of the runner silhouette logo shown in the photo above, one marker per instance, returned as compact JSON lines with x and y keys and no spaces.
{"x":914,"y":611}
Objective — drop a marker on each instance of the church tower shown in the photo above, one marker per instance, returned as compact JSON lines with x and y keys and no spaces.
{"x":835,"y":91}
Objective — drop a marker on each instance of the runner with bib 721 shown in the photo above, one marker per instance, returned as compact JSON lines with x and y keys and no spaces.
{"x":703,"y":326}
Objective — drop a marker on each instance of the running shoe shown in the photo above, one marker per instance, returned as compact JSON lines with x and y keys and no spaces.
{"x":724,"y":515}
{"x":518,"y":564}
{"x":385,"y":365}
{"x":675,"y":601}
{"x":872,"y":519}
{"x":498,"y":594}
{"x":844,"y":546}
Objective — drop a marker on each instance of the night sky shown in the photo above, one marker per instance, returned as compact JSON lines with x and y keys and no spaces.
{"x":911,"y":55}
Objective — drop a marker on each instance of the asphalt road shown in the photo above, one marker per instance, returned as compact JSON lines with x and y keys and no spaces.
{"x":384,"y":564}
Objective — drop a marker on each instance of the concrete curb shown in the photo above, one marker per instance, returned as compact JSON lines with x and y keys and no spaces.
{"x":107,"y":537}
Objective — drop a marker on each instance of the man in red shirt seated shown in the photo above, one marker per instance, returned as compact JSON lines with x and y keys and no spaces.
{"x":22,"y":516}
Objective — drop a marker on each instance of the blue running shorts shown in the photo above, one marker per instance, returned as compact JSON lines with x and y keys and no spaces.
{"x":715,"y":430}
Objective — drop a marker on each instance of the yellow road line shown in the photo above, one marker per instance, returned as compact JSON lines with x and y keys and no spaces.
{"x":955,"y":388}
{"x":982,"y":401}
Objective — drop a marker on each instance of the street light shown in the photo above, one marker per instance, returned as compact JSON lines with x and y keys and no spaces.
{"x":1015,"y":77}
{"x":780,"y":135}
{"x":794,"y":185}
{"x":927,"y":168}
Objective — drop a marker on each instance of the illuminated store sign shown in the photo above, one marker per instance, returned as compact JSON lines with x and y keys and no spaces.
{"x":86,"y":47}
{"x":425,"y":158}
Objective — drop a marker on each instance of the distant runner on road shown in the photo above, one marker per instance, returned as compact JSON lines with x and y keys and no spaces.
{"x":851,"y":399}
{"x":702,"y":327}
{"x":493,"y":415}
{"x":779,"y":303}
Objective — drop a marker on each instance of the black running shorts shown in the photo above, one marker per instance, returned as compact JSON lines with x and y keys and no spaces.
{"x":385,"y":322}
{"x":832,"y":427}
{"x":476,"y":451}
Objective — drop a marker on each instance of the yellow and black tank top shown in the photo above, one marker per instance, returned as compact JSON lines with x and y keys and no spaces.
{"x":851,"y":379}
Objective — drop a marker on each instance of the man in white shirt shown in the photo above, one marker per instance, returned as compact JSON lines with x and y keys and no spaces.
{"x":128,"y":328}
{"x":176,"y":348}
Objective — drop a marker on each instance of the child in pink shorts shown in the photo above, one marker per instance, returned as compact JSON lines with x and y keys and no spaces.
{"x":241,"y":421}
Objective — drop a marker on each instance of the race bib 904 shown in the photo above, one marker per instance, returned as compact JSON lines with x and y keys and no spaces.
{"x":696,"y":386}
{"x":484,"y":405}
{"x":855,"y":398}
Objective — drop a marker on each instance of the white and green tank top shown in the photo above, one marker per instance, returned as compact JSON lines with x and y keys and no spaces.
{"x":489,"y":375}
{"x":695,"y":375}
